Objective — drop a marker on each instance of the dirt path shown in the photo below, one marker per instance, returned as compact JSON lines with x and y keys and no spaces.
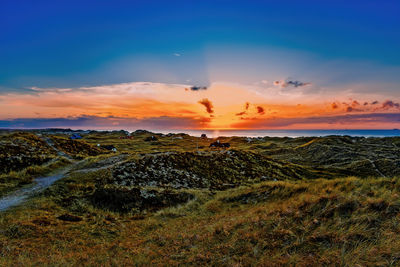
{"x":21,"y":195}
{"x":51,"y":144}
{"x":17,"y":197}
{"x":102,"y":164}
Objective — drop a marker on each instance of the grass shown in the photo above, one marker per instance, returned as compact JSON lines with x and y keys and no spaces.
{"x":299,"y":220}
{"x":345,"y":221}
{"x":25,"y":156}
{"x":16,"y":179}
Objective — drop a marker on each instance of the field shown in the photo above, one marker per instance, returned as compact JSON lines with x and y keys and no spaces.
{"x":175,"y":201}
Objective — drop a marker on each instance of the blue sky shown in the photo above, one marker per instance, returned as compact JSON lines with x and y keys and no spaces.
{"x":322,"y":54}
{"x":71,"y":43}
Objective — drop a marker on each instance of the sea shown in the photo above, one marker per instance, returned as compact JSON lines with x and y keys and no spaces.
{"x":285,"y":133}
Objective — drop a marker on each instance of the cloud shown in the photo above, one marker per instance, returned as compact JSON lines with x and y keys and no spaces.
{"x":18,"y":90}
{"x":246,"y":108}
{"x":356,"y":106}
{"x":241,"y":113}
{"x":177,"y":54}
{"x":110,"y":122}
{"x":289,"y":82}
{"x":362,"y":121}
{"x":137,"y":99}
{"x":260,"y":110}
{"x":390,"y":104}
{"x":198,"y":88}
{"x":277,"y":83}
{"x":229,"y":103}
{"x":208,"y":104}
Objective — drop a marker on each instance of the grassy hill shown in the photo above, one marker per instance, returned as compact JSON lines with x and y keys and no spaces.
{"x":25,"y":155}
{"x":174,"y":201}
{"x":346,"y":221}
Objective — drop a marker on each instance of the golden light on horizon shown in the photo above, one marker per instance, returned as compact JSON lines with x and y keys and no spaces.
{"x":221,"y":106}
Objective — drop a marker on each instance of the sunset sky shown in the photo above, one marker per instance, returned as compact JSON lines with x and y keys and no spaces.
{"x":200,"y":64}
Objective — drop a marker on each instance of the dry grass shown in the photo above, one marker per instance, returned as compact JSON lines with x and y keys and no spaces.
{"x":346,"y":221}
{"x":324,"y":222}
{"x":13,"y":179}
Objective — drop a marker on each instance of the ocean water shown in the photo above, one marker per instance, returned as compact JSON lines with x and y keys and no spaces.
{"x":285,"y":133}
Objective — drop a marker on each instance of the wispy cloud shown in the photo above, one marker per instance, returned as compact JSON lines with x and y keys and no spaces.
{"x":246,"y":108}
{"x":289,"y":82}
{"x":241,"y":113}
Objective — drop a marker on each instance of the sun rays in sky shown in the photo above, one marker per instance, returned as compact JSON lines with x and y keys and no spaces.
{"x":200,"y":65}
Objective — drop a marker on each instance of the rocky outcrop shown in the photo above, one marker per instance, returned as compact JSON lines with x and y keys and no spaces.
{"x":155,"y":181}
{"x":214,"y":170}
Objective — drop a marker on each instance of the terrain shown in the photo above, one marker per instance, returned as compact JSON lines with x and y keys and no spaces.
{"x":172,"y":200}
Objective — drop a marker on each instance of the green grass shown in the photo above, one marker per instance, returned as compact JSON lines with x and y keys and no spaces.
{"x":301,"y":219}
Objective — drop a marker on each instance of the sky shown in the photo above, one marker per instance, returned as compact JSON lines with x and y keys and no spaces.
{"x":200,"y":64}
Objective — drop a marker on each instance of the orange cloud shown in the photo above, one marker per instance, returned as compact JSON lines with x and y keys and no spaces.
{"x":349,"y":121}
{"x":207,"y":103}
{"x":260,"y":110}
{"x":230,"y":106}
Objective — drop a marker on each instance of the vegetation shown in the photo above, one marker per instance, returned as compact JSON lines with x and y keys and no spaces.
{"x":75,"y":148}
{"x":13,"y":180}
{"x":174,"y":201}
{"x":345,"y":221}
{"x":20,"y":150}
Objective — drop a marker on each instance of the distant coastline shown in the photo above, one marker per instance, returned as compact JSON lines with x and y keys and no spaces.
{"x":244,"y":133}
{"x":289,"y":133}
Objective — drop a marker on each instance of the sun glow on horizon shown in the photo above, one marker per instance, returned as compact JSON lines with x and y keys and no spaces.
{"x":220,"y":106}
